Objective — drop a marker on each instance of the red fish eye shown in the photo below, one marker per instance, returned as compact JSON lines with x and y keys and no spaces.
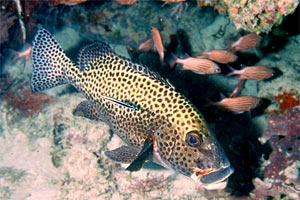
{"x":194,"y":139}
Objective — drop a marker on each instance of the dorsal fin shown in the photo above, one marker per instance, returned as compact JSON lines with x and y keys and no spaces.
{"x":95,"y":51}
{"x":92,"y":52}
{"x":155,"y":75}
{"x":145,"y":70}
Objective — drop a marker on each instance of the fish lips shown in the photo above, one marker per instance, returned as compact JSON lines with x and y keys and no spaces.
{"x":216,"y":176}
{"x":213,"y":179}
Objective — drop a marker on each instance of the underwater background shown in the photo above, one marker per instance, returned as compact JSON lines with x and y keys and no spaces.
{"x":48,"y":153}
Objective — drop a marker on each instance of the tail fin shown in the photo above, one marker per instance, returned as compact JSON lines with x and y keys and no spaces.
{"x":233,"y":71}
{"x":51,"y":66}
{"x":173,"y":60}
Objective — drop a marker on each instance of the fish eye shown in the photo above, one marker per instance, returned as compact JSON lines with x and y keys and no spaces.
{"x":218,"y":70}
{"x":194,"y":139}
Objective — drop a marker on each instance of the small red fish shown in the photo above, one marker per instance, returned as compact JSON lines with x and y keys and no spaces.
{"x":68,"y":2}
{"x":146,"y":46}
{"x":238,"y":88}
{"x":221,"y":56}
{"x":246,"y":42}
{"x":173,"y":1}
{"x":158,"y":44}
{"x":253,"y":73}
{"x":26,"y":54}
{"x":126,"y":2}
{"x":178,"y":9}
{"x":199,"y":65}
{"x":238,"y":104}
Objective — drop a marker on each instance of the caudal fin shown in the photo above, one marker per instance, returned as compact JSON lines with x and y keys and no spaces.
{"x":233,"y":71}
{"x":173,"y":60}
{"x":51,"y":66}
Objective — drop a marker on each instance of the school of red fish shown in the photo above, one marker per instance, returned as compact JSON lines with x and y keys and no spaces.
{"x":207,"y":63}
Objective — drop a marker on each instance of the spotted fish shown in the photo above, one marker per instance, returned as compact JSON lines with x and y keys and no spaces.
{"x":143,"y":109}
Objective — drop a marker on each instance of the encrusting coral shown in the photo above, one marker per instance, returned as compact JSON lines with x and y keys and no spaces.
{"x":259,"y":15}
{"x":281,"y":174}
{"x":250,"y":15}
{"x":26,"y":102}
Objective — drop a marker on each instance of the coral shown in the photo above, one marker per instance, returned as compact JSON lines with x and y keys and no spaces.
{"x":217,"y":4}
{"x":281,"y":174}
{"x":28,"y":103}
{"x":272,"y":189}
{"x":259,"y":15}
{"x":251,"y":15}
{"x":286,"y":125}
{"x":7,"y":20}
{"x":288,"y":99}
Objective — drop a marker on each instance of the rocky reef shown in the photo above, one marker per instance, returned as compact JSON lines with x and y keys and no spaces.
{"x":281,"y":173}
{"x":259,"y":15}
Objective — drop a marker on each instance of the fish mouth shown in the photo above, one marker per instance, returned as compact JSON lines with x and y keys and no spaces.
{"x":212,"y":179}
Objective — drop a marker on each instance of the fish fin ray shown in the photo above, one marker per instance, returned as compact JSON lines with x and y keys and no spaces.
{"x":91,"y":53}
{"x":143,"y":155}
{"x":88,"y":109}
{"x":50,"y":63}
{"x":123,"y":154}
{"x":145,"y":70}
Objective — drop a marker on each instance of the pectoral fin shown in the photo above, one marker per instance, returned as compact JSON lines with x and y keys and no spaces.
{"x":88,"y":109}
{"x":143,"y":155}
{"x":124,"y":154}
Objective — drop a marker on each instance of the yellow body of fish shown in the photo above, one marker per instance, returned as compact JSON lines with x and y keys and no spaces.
{"x":137,"y":104}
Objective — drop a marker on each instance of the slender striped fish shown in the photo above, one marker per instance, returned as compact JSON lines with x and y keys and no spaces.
{"x":221,"y":56}
{"x":198,"y":65}
{"x":253,"y":73}
{"x":158,"y":43}
{"x":238,"y":104}
{"x":246,"y":42}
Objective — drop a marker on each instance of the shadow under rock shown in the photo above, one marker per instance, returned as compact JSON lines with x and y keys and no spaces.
{"x":239,"y":138}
